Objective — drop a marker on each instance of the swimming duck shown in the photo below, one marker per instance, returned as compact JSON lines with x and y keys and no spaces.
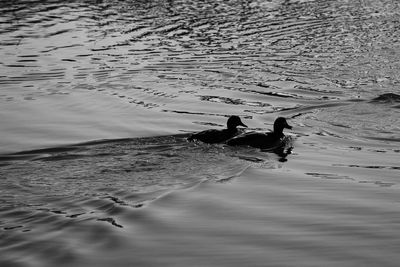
{"x":218,"y":136}
{"x":262,"y":140}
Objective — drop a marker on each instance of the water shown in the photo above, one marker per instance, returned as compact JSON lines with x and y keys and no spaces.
{"x":98,"y":97}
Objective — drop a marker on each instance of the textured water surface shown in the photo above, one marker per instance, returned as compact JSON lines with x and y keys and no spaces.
{"x":87,"y":70}
{"x":97,"y":99}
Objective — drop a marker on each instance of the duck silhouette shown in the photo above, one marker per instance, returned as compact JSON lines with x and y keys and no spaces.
{"x":262,"y":140}
{"x":213,"y":136}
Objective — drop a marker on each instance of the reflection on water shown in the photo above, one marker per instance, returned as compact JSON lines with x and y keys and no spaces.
{"x":78,"y":71}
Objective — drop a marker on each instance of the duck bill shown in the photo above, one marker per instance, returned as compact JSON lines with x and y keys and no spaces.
{"x":287,"y":126}
{"x":242,"y":124}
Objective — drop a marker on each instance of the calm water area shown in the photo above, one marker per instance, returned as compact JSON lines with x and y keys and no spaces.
{"x":97,"y":99}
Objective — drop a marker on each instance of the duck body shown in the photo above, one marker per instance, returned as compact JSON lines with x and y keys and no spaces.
{"x":257,"y":140}
{"x":262,"y":140}
{"x":214,"y":136}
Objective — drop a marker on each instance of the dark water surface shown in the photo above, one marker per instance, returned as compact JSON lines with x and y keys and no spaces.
{"x":97,"y":99}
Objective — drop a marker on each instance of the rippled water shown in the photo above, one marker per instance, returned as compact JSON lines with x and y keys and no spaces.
{"x":97,"y":98}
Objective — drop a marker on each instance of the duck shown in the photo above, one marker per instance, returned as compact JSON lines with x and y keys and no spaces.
{"x":213,"y":136}
{"x":262,"y":140}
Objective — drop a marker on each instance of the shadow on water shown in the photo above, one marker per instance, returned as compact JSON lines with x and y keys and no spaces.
{"x":388,"y":98}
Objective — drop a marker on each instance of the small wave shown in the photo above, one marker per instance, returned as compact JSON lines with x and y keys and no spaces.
{"x":388,"y":98}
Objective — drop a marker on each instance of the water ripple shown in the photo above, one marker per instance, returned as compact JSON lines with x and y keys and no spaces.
{"x":87,"y":70}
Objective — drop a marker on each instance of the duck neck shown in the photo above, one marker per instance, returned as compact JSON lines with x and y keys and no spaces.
{"x":278,"y":131}
{"x":232,"y":129}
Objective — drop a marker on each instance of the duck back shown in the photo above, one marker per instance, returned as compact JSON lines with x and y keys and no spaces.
{"x":219,"y":136}
{"x":213,"y":136}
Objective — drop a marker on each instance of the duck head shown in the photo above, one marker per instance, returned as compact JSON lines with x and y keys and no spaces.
{"x":235,"y":121}
{"x":280,"y":124}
